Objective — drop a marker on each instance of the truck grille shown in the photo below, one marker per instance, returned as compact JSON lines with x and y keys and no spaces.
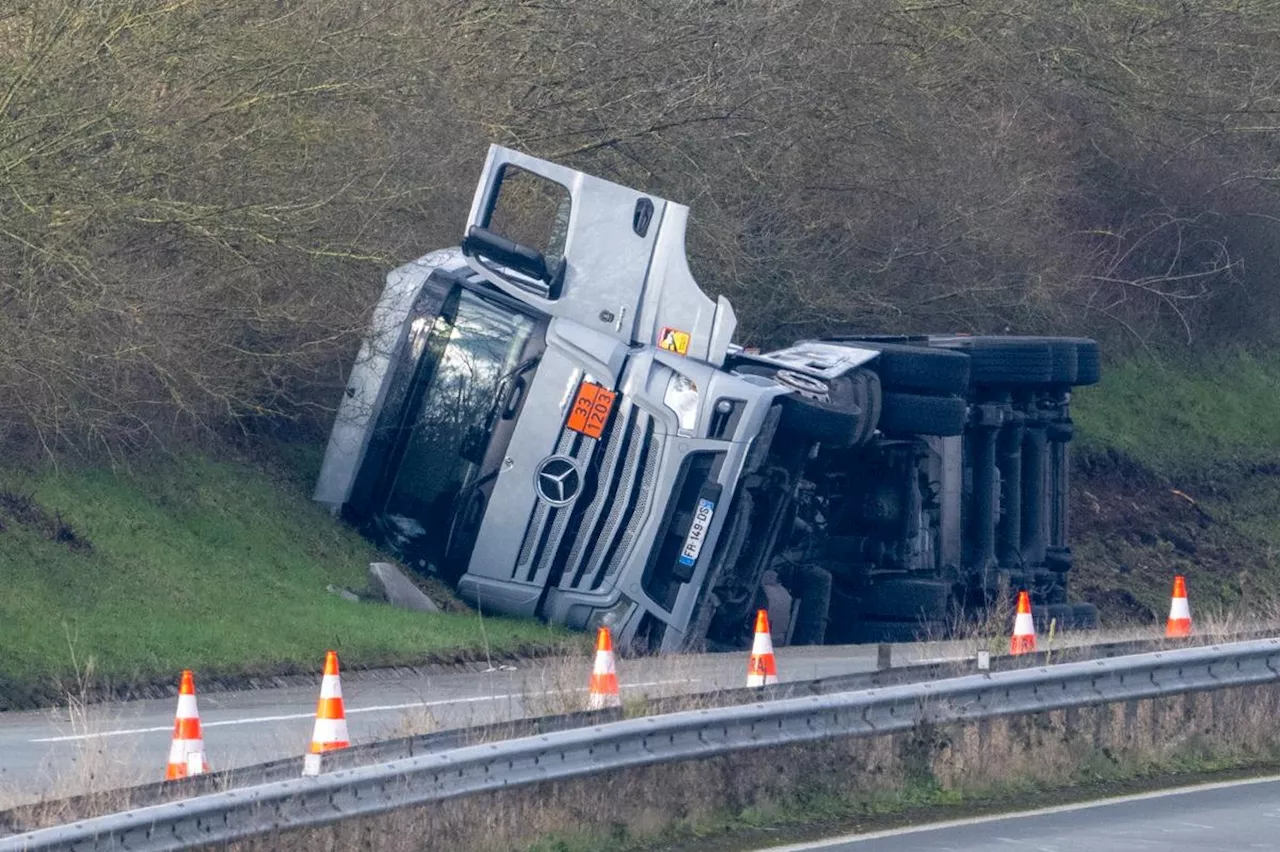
{"x":579,"y":545}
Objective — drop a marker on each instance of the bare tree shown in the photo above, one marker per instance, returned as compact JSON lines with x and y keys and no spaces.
{"x":201,"y":200}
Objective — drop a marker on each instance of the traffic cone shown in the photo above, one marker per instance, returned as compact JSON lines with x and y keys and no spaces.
{"x":604,"y":677}
{"x":762,"y":669}
{"x":330,"y":733}
{"x":186,"y":754}
{"x":1179,"y":624}
{"x":1024,"y":629}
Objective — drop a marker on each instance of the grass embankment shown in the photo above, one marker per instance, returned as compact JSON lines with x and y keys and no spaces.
{"x":194,"y":563}
{"x":1178,"y":471}
{"x":222,"y":567}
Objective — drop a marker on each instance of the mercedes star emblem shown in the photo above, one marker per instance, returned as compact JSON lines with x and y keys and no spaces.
{"x":558,"y":480}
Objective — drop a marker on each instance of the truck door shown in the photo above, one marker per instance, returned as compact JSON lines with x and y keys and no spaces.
{"x":569,"y":244}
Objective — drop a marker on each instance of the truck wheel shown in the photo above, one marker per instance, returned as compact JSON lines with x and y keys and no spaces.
{"x":1065,"y":361}
{"x":1058,"y":560}
{"x":1002,"y":360}
{"x":839,"y":422}
{"x":908,"y":598}
{"x":1063,"y":614}
{"x":898,"y":631}
{"x":918,"y":368}
{"x":812,"y":585}
{"x":867,"y":393}
{"x":913,"y":414}
{"x":1086,"y":616}
{"x":1064,"y":354}
{"x":842,"y":615}
{"x":1088,"y":361}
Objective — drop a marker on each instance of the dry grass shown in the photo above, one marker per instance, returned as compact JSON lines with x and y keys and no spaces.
{"x":858,"y":774}
{"x":99,"y":774}
{"x":415,"y":722}
{"x":99,"y":768}
{"x":558,"y":687}
{"x":99,"y":764}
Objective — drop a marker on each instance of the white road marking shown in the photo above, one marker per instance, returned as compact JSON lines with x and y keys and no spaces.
{"x":351,"y":711}
{"x":1058,"y":809}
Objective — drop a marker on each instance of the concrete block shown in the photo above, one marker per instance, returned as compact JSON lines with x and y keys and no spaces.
{"x":398,"y":589}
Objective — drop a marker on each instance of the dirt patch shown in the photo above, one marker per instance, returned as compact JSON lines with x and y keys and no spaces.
{"x":1133,"y":531}
{"x":24,"y":511}
{"x":439,"y":591}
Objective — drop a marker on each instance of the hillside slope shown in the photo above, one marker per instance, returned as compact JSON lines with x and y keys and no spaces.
{"x":202,"y":199}
{"x":223,"y":567}
{"x":200,"y":564}
{"x":1178,"y":471}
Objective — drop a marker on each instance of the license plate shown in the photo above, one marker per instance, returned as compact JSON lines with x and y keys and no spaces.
{"x":591,"y":409}
{"x":697,"y":531}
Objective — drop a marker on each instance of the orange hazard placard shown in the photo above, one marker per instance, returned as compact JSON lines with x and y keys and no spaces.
{"x":674,"y":340}
{"x":591,"y":409}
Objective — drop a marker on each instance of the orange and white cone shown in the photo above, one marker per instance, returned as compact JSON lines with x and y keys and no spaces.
{"x":186,"y":754}
{"x":330,"y":733}
{"x":1179,"y":624}
{"x":1024,"y":629}
{"x":604,"y":677}
{"x":762,"y":668}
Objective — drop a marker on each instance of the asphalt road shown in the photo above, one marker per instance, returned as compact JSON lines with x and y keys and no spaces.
{"x":54,"y":753}
{"x":1226,"y":817}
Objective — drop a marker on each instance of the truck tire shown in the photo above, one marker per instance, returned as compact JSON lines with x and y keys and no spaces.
{"x":812,"y":585}
{"x":839,"y":422}
{"x":1058,"y":559}
{"x":918,"y":368}
{"x":1002,"y":360}
{"x":914,"y":414}
{"x":1086,"y":616}
{"x":1063,"y":614}
{"x":908,"y":598}
{"x":847,"y":419}
{"x":1088,"y":361}
{"x":868,"y":394}
{"x":1065,"y":360}
{"x":1064,"y":356}
{"x":842,"y":615}
{"x":868,"y":630}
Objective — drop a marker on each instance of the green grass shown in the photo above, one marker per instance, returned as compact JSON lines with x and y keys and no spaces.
{"x":220,"y":567}
{"x":1181,"y":475}
{"x":207,"y":565}
{"x":793,"y":817}
{"x":1179,"y":417}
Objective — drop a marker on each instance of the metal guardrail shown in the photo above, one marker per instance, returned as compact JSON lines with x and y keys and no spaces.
{"x":369,"y":790}
{"x":17,"y":819}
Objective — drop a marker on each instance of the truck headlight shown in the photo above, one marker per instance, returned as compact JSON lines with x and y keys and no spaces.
{"x":682,"y":398}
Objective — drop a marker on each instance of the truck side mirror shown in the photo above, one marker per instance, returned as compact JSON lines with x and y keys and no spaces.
{"x":485,"y":245}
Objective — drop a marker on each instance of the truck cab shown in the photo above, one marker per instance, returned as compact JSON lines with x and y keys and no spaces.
{"x":553,"y":418}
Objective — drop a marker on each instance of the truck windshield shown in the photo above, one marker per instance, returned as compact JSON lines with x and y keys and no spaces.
{"x":469,"y":359}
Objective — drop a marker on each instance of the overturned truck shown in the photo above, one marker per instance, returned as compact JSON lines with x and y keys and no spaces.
{"x":553,"y":417}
